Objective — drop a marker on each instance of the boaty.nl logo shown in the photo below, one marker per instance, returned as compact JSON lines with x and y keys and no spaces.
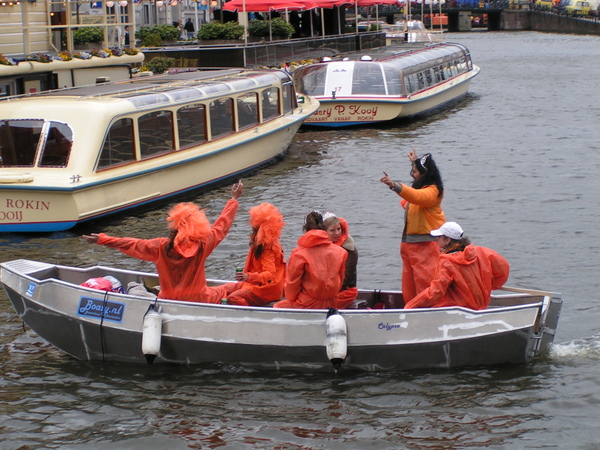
{"x":30,"y":290}
{"x":101,"y":309}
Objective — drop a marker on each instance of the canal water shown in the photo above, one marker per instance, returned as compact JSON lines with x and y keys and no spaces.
{"x":520,"y":159}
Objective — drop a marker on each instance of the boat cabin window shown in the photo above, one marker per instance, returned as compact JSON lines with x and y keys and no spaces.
{"x":221,"y":117}
{"x":247,"y":109}
{"x":191,"y":123}
{"x":428,"y":77}
{"x":311,"y":81}
{"x":118,"y":145}
{"x":19,"y":141}
{"x":289,"y":98}
{"x":392,"y":80}
{"x":367,"y":79}
{"x":57,"y":148}
{"x":270,"y":103}
{"x":156,"y":133}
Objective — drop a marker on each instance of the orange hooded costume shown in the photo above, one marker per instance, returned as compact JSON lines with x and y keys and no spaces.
{"x":464,"y":278}
{"x":266,"y":272}
{"x":315,"y":273}
{"x":180,"y":267}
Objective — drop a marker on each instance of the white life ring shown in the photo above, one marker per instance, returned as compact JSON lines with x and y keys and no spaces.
{"x":15,"y":177}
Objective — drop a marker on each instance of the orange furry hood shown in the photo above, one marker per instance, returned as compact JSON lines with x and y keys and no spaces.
{"x":191,"y":225}
{"x":268,"y":222}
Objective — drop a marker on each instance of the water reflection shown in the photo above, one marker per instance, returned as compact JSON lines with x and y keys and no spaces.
{"x":519,"y":176}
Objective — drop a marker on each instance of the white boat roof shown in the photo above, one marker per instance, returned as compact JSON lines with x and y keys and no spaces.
{"x":165,"y":89}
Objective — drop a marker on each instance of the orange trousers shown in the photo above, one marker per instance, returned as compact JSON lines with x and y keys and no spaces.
{"x":419,"y":261}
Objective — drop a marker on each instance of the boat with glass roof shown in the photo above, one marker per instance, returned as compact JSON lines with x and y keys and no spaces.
{"x":74,"y":155}
{"x":389,"y":83}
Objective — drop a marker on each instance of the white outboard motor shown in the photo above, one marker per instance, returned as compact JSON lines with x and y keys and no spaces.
{"x":151,"y":333}
{"x":336,"y":341}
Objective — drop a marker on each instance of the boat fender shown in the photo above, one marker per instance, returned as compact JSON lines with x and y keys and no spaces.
{"x":151,"y":333}
{"x":15,"y":177}
{"x":336,"y":341}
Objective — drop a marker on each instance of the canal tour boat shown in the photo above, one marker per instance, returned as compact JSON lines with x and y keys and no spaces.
{"x":389,"y":83}
{"x":411,"y":31}
{"x":376,"y":334}
{"x":74,"y":155}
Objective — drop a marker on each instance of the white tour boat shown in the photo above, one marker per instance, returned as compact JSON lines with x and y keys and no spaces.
{"x":411,"y":31}
{"x":388,"y":83}
{"x":74,"y":155}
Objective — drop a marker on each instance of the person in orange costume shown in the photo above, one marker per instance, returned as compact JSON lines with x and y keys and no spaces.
{"x":465,"y":274}
{"x":315,"y":270}
{"x":423,"y":212}
{"x":180,"y":258}
{"x":337,"y":229}
{"x":263,"y":277}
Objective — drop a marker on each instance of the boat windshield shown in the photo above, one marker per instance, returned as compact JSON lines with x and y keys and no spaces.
{"x":347,"y":78}
{"x":34,"y":142}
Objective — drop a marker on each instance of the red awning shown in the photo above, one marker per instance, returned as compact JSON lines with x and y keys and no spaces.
{"x":268,"y":5}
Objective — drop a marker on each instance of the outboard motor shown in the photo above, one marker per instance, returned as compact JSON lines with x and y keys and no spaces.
{"x":336,"y":340}
{"x":151,"y":333}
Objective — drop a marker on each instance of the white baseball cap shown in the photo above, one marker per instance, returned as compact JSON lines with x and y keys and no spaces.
{"x":449,"y":229}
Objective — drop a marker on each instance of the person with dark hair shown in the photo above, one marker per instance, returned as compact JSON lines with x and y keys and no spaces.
{"x":263,"y":277}
{"x":189,"y":28}
{"x":337,"y":229}
{"x":315,"y":270}
{"x":422,"y":203}
{"x":126,"y":37}
{"x":181,"y":257}
{"x":465,"y":274}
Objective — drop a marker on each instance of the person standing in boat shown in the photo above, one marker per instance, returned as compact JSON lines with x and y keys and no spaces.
{"x":337,"y":229}
{"x":422,"y":203}
{"x":263,"y":276}
{"x":465,"y":274}
{"x":181,"y":257}
{"x":315,"y":270}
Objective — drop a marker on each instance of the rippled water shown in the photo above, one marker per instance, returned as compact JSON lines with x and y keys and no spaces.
{"x":519,"y":157}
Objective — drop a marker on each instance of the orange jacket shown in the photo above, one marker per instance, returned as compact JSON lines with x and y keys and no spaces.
{"x":423,"y":209}
{"x":180,"y":278}
{"x":315,"y":272}
{"x":464,"y":278}
{"x":266,"y":275}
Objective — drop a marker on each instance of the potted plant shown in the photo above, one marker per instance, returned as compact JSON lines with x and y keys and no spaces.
{"x":277,"y":27}
{"x":157,"y":35}
{"x":225,"y":31}
{"x":86,"y":38}
{"x":160,"y":64}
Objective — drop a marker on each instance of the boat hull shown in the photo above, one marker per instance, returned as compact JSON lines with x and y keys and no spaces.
{"x":97,"y":326}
